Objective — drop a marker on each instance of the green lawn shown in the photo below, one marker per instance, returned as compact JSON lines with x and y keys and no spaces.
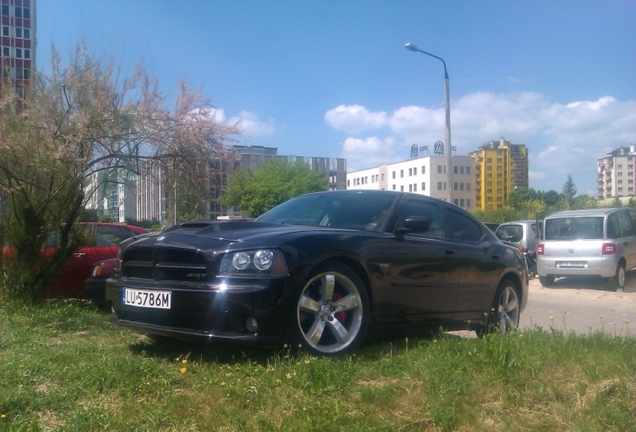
{"x":64,"y":367}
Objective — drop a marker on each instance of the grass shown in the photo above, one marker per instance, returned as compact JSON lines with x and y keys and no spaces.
{"x":64,"y":367}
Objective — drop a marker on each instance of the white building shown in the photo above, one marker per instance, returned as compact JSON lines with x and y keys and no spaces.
{"x":616,"y":173}
{"x":425,"y":176}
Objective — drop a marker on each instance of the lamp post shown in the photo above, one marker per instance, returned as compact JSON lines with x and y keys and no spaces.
{"x":449,"y":157}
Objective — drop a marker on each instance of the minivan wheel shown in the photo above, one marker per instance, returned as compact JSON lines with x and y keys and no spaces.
{"x":618,"y":280}
{"x":546,"y":281}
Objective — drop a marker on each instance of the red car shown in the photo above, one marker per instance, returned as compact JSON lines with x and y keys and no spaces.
{"x":70,"y":282}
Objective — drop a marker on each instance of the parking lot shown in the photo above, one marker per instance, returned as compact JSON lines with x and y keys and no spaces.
{"x":582,"y":305}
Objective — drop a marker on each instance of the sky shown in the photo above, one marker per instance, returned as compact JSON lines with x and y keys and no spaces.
{"x":333,"y":79}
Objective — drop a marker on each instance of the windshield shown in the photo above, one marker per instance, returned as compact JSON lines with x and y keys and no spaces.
{"x":580,"y":228}
{"x":351,"y":211}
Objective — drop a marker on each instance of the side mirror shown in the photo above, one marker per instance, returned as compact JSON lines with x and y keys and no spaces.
{"x":414,"y":224}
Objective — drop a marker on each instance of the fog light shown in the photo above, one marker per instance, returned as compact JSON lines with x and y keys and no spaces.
{"x":251,"y":324}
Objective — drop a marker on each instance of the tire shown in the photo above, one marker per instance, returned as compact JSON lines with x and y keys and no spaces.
{"x":618,"y":280}
{"x":505,"y":311}
{"x":331,"y":312}
{"x":546,"y":281}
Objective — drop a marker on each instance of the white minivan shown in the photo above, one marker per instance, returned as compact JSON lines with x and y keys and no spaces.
{"x":599,"y":242}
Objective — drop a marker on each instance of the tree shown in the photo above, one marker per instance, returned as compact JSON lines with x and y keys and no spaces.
{"x":82,"y":120}
{"x":255,"y":192}
{"x":569,"y":190}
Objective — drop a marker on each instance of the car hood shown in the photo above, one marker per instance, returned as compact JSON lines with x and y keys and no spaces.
{"x":222,"y":236}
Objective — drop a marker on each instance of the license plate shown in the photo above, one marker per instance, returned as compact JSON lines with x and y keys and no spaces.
{"x":572,"y":264}
{"x":146,"y":298}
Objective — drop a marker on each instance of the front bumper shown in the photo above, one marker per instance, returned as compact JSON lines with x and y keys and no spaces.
{"x":198,"y":314}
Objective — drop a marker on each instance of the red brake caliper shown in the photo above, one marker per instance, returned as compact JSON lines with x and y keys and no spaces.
{"x":340,"y":316}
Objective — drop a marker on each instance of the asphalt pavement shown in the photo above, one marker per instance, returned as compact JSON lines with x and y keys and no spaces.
{"x":583,"y":306}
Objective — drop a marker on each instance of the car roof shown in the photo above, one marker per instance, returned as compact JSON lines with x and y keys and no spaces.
{"x":583,"y":213}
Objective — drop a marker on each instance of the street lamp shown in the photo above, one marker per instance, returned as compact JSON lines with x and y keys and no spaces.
{"x":449,"y":161}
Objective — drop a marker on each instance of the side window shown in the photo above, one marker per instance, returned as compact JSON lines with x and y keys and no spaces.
{"x":461,"y":227}
{"x":613,"y":228}
{"x":625,"y":222}
{"x":431,"y":211}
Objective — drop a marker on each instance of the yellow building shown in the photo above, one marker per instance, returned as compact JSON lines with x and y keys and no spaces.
{"x":500,"y":168}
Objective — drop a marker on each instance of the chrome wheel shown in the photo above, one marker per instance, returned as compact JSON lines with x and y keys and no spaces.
{"x":619,"y":279}
{"x":331,"y":312}
{"x":504,"y":314}
{"x":507,"y":309}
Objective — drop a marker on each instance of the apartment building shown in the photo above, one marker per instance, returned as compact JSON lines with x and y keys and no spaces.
{"x":500,"y":168}
{"x":423,"y":175}
{"x":17,"y":43}
{"x":615,"y":173}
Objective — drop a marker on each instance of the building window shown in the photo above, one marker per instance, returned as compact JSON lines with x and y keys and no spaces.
{"x":26,"y":12}
{"x":401,"y":188}
{"x":410,"y":188}
{"x":468,"y":170}
{"x":18,"y":53}
{"x":5,"y":9}
{"x":423,"y":169}
{"x":27,"y":54}
{"x":439,"y":169}
{"x":468,"y":203}
{"x":423,"y":186}
{"x":393,"y":187}
{"x":461,"y":186}
{"x":410,"y":172}
{"x":394,"y":174}
{"x":18,"y":32}
{"x":6,"y":51}
{"x":401,"y":173}
{"x":439,"y":185}
{"x":461,"y":202}
{"x":27,"y":33}
{"x":414,"y":187}
{"x":382,"y":176}
{"x":467,"y":186}
{"x":6,"y":31}
{"x":455,"y":169}
{"x":415,"y":171}
{"x":18,"y":12}
{"x":455,"y":186}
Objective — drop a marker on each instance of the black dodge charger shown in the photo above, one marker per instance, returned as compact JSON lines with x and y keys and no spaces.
{"x":322,"y":270}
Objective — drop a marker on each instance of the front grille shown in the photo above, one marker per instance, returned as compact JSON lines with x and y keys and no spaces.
{"x":165,"y":264}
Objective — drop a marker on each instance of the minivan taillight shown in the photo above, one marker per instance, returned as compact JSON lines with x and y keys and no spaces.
{"x":540,"y":248}
{"x":608,"y":249}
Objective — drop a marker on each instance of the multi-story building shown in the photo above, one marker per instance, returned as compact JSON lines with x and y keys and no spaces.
{"x":615,"y":173}
{"x":423,"y":175}
{"x":17,"y":40}
{"x":500,"y":168}
{"x":145,"y":196}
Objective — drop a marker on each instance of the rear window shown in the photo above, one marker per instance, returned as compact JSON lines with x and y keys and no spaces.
{"x":580,"y":228}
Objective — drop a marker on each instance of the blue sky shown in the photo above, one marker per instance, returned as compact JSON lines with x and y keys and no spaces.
{"x":332,"y":78}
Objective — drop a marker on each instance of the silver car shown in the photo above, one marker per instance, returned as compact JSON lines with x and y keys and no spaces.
{"x":523,"y":232}
{"x":599,"y":242}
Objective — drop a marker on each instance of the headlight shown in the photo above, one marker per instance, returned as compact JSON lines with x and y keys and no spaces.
{"x":254,"y":263}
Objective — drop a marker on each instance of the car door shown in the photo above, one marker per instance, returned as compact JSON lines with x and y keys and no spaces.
{"x":424,"y":273}
{"x":477,"y":260}
{"x":77,"y":269}
{"x":628,"y":237}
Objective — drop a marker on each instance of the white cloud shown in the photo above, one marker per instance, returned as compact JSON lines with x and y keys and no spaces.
{"x":250,"y":125}
{"x":562,"y":138}
{"x":355,"y":118}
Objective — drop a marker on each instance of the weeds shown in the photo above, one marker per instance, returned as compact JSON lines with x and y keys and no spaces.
{"x":63,"y":367}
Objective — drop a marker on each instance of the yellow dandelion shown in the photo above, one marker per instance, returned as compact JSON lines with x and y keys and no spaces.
{"x":184,"y":361}
{"x":183,"y":369}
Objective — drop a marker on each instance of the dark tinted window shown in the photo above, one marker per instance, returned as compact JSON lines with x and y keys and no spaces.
{"x":583,"y":228}
{"x":428,"y":210}
{"x":512,"y":233}
{"x":625,"y":222}
{"x":351,"y":211}
{"x":461,"y":227}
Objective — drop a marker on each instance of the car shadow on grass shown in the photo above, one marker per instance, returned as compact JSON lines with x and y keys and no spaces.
{"x":221,"y":352}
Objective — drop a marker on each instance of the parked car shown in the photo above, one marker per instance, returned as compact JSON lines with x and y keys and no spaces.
{"x":523,"y":232}
{"x":106,"y":238}
{"x":599,"y":242}
{"x":492,"y":226}
{"x":323,"y":270}
{"x":95,"y":284}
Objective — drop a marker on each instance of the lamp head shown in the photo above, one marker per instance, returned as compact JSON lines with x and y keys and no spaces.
{"x":409,"y":46}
